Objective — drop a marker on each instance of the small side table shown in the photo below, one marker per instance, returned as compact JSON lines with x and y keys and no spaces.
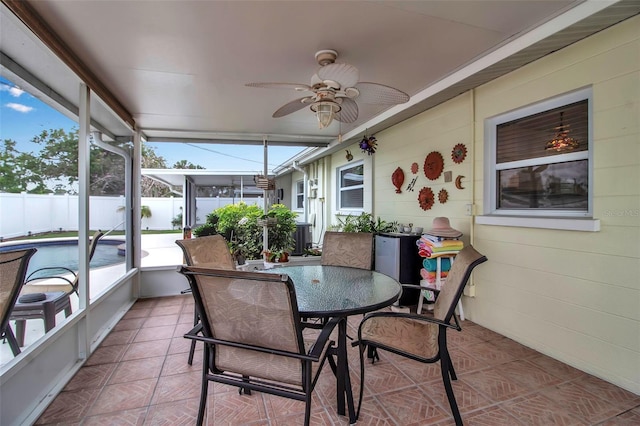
{"x":46,"y":310}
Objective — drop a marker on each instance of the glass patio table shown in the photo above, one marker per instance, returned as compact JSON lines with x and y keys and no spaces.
{"x":337,"y":292}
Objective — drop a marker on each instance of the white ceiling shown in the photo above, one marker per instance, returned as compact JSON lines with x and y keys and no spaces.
{"x":180,"y":67}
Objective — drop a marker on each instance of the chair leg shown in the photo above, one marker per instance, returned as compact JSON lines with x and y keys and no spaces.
{"x":452,"y":371}
{"x":308,"y":389}
{"x":446,"y":369}
{"x":246,"y":391}
{"x":20,"y":326}
{"x":192,"y":350}
{"x":361,"y":349}
{"x":11,"y":339}
{"x":205,"y":386}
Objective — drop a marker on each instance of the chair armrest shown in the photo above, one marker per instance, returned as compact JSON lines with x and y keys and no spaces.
{"x":411,"y":286}
{"x":321,"y":341}
{"x":432,"y":320}
{"x":62,"y":269}
{"x":192,"y":334}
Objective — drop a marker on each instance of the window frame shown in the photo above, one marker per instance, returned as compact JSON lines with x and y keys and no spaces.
{"x":491,"y":168}
{"x":340,"y":189}
{"x":299,"y":206}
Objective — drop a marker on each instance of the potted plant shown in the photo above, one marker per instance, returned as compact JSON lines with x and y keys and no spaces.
{"x":276,"y":256}
{"x":281,"y":234}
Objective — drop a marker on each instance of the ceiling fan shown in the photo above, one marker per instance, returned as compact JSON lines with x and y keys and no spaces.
{"x":334,"y":91}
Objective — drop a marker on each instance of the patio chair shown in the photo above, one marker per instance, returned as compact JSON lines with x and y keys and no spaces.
{"x":420,"y":338}
{"x":13,"y":269}
{"x":46,"y":292}
{"x":252,"y":335}
{"x":212,"y":251}
{"x":353,"y":249}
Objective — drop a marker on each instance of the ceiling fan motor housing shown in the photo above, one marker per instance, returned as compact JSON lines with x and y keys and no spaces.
{"x":326,"y":57}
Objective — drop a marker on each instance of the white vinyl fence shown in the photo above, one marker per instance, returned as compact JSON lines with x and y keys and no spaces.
{"x":21,"y":214}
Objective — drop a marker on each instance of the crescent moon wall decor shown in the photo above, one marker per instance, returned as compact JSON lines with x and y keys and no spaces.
{"x":459,"y":182}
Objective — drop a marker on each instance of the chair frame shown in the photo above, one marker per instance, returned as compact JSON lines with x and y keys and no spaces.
{"x":450,"y":322}
{"x":187,"y":251}
{"x":203,"y":333}
{"x":5,"y":327}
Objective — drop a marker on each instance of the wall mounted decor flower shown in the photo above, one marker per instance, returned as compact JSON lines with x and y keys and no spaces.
{"x":369,"y":144}
{"x":458,"y":153}
{"x":443,"y":196}
{"x":426,"y":198}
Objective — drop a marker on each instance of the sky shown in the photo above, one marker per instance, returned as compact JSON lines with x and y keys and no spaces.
{"x":23,"y":116}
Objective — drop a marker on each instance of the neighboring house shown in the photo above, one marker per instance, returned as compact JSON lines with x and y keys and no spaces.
{"x":565,"y":282}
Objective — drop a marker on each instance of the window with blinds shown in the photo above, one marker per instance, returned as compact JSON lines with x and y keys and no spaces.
{"x":542,"y":162}
{"x":351,"y":187}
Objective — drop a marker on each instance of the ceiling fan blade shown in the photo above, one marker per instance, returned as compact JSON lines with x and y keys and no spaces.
{"x":374,"y":93}
{"x":345,"y":74}
{"x":300,"y":87}
{"x":348,"y":112}
{"x":292,"y":106}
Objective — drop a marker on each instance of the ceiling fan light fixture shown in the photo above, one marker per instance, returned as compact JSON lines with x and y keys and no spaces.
{"x":325,"y":112}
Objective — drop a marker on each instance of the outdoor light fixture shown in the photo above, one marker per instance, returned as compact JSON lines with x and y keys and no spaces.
{"x":325,"y":112}
{"x":562,"y":140}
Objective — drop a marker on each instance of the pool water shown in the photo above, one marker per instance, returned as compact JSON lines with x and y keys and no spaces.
{"x":65,"y":254}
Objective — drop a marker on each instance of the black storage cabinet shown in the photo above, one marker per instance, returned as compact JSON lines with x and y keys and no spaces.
{"x":396,"y":255}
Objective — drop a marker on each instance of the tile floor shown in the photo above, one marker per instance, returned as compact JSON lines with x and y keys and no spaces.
{"x":139,"y":376}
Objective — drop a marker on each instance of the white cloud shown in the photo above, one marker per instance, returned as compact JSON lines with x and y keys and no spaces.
{"x":19,"y":107}
{"x":14,"y":91}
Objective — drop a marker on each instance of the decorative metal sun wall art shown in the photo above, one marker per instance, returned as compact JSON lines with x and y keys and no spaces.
{"x":433,"y":165}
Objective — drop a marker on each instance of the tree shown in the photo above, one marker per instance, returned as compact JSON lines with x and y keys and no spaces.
{"x":19,"y":172}
{"x":148,"y":186}
{"x":184,"y":164}
{"x":55,"y":167}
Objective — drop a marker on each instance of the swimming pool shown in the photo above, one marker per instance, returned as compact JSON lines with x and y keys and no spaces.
{"x":53,"y":253}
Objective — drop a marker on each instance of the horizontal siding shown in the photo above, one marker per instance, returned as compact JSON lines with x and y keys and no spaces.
{"x":573,"y":295}
{"x":439,"y":129}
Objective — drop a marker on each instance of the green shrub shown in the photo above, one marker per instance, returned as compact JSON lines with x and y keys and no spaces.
{"x":204,"y":230}
{"x":238,"y":223}
{"x":364,"y":223}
